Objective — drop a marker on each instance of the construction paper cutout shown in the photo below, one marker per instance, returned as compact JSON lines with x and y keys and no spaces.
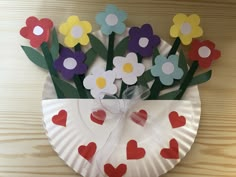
{"x":183,"y":63}
{"x":186,"y":28}
{"x":100,"y":82}
{"x":146,"y":77}
{"x":98,"y":46}
{"x":140,"y":117}
{"x":142,"y":40}
{"x":111,"y":20}
{"x":155,"y":89}
{"x":155,"y":54}
{"x":121,"y":47}
{"x":35,"y":57}
{"x":204,"y":52}
{"x":79,"y":85}
{"x":167,"y":69}
{"x":60,"y":118}
{"x":172,"y":152}
{"x":127,"y":68}
{"x":201,"y":78}
{"x":75,"y":31}
{"x":174,"y":47}
{"x":88,"y":151}
{"x":119,"y":171}
{"x":37,"y":31}
{"x":70,"y":63}
{"x":169,"y":95}
{"x":134,"y":152}
{"x":90,"y":57}
{"x":98,"y":116}
{"x":110,"y":53}
{"x":55,"y":45}
{"x":176,"y":121}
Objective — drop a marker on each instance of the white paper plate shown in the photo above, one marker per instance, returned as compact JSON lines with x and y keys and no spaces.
{"x":69,"y":134}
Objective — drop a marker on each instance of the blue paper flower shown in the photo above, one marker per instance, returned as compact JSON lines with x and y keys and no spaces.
{"x":111,"y":20}
{"x":167,"y":69}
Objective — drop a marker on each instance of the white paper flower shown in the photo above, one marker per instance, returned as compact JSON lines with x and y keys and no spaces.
{"x":100,"y":83}
{"x":127,"y":68}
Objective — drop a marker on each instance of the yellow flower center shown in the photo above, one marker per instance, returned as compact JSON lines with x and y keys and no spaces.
{"x":101,"y":82}
{"x":128,"y":67}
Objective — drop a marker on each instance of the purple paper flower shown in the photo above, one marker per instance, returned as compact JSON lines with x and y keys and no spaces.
{"x":70,"y":63}
{"x":142,"y":40}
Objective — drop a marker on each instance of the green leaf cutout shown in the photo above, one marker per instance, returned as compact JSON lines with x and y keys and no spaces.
{"x":201,"y":78}
{"x":121,"y":47}
{"x":182,"y":63}
{"x":36,"y":57}
{"x":98,"y":46}
{"x":169,"y":96}
{"x":90,"y":57}
{"x":146,"y":77}
{"x":67,"y":89}
{"x":55,"y":45}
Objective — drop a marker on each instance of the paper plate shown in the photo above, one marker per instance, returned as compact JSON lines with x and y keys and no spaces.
{"x":148,"y":149}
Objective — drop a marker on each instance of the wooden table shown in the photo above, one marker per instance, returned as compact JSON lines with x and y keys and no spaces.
{"x":24,"y":148}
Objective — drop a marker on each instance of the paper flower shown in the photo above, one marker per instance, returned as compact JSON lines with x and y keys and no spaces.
{"x":127,"y":68}
{"x":111,"y":20}
{"x":186,"y":28}
{"x":167,"y":69}
{"x":142,"y":40}
{"x":100,"y":83}
{"x":37,"y":31}
{"x":75,"y":31}
{"x":204,"y":52}
{"x":70,"y":63}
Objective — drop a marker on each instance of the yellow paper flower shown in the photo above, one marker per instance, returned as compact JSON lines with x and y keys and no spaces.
{"x":186,"y":27}
{"x":75,"y":31}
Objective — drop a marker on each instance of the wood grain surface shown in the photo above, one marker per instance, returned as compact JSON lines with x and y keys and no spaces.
{"x":24,"y":148}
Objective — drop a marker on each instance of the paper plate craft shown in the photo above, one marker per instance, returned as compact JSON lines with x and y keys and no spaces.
{"x":120,"y":101}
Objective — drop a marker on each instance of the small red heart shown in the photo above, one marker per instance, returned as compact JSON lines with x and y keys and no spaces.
{"x":115,"y":172}
{"x":176,"y":120}
{"x":133,"y":151}
{"x":172,"y":152}
{"x":139,"y":117}
{"x":88,"y":151}
{"x":98,"y":116}
{"x":60,"y":118}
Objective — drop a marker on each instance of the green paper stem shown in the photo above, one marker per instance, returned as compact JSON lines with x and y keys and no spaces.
{"x":174,"y":47}
{"x":110,"y":53}
{"x":187,"y":80}
{"x":77,"y":47}
{"x":140,"y":58}
{"x":52,"y":71}
{"x":123,"y":87}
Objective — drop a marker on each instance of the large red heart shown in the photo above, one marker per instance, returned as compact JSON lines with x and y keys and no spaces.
{"x":172,"y":152}
{"x":115,"y":172}
{"x":60,"y":118}
{"x":139,"y":117}
{"x":88,"y":151}
{"x":98,"y":116}
{"x":176,"y":120}
{"x":133,"y":151}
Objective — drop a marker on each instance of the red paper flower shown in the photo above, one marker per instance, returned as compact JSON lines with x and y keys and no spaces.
{"x":204,"y":52}
{"x":37,"y":31}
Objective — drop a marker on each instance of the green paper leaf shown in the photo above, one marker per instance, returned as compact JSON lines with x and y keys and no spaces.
{"x":55,"y":45}
{"x":146,"y":77}
{"x":201,"y":78}
{"x":183,"y":63}
{"x":121,"y":47}
{"x":36,"y":57}
{"x":98,"y":46}
{"x":169,"y":96}
{"x":155,"y":54}
{"x":67,"y":89}
{"x":90,"y":57}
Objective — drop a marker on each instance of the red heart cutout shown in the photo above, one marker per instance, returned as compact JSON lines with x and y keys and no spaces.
{"x":98,"y":116}
{"x":88,"y":151}
{"x":60,"y":118}
{"x":139,"y":117}
{"x":172,"y":152}
{"x":133,"y":151}
{"x":176,"y":120}
{"x":115,"y":172}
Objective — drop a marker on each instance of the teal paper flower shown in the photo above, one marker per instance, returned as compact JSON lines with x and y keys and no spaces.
{"x":167,"y":69}
{"x":111,"y":20}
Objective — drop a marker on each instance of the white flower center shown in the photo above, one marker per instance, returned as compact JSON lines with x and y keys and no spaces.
{"x":76,"y":31}
{"x":204,"y":52}
{"x":38,"y":30}
{"x":70,"y":63}
{"x":186,"y":28}
{"x":143,"y":42}
{"x":168,"y":68}
{"x":111,"y":19}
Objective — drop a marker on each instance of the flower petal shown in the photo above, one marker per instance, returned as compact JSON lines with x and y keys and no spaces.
{"x":139,"y":69}
{"x":185,"y":39}
{"x":174,"y":31}
{"x":84,"y":40}
{"x":194,"y":19}
{"x":179,"y":18}
{"x":131,"y":57}
{"x":156,"y":71}
{"x":64,"y":29}
{"x":89,"y":82}
{"x":130,"y":79}
{"x":106,"y":29}
{"x":119,"y":28}
{"x":86,"y":26}
{"x":100,"y":18}
{"x":166,"y":80}
{"x":197,"y":32}
{"x":178,"y":73}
